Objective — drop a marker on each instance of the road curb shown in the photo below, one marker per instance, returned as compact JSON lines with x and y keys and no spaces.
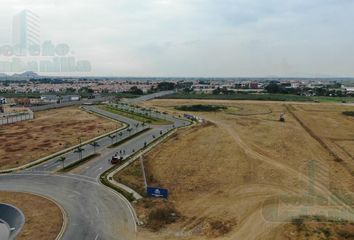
{"x":63,"y":212}
{"x":132,"y":159}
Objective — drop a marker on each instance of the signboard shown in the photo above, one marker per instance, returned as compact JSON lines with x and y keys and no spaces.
{"x":157,"y":192}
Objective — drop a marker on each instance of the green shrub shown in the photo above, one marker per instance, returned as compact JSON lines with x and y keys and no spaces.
{"x":350,"y":114}
{"x":200,"y":108}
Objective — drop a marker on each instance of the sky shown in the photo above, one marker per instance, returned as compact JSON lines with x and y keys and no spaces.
{"x":198,"y":38}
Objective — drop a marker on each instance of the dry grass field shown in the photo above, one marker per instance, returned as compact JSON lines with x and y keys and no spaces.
{"x":50,"y":132}
{"x":246,"y":175}
{"x":43,"y":217}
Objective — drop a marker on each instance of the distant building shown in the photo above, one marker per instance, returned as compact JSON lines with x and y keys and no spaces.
{"x":50,"y":98}
{"x":70,"y":98}
{"x":350,"y":90}
{"x":3,"y":100}
{"x":23,"y":101}
{"x":203,"y":88}
{"x":26,"y":30}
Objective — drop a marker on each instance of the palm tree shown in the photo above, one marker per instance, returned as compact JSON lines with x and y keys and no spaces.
{"x":111,"y":137}
{"x":79,"y":150}
{"x":129,"y":130}
{"x":94,"y":145}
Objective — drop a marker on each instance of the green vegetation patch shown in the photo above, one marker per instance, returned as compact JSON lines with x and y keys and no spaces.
{"x":201,"y":108}
{"x":349,"y":113}
{"x":258,"y":97}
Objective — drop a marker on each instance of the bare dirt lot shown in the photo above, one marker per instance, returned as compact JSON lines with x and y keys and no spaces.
{"x":50,"y":132}
{"x":246,"y":175}
{"x":43,"y":217}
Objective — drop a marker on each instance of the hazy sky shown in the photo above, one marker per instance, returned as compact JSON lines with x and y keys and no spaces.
{"x":199,"y":37}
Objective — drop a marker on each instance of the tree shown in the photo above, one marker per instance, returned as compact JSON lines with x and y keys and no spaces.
{"x":129,"y":130}
{"x":216,"y":91}
{"x":166,"y":86}
{"x":79,"y":150}
{"x":321,"y":91}
{"x":94,"y":145}
{"x":111,"y":137}
{"x":62,"y":160}
{"x":135,"y":90}
{"x":339,"y":93}
{"x":85,"y":91}
{"x":273,"y":88}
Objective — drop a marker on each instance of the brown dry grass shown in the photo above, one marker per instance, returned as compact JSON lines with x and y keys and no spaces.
{"x":50,"y":132}
{"x":315,"y":229}
{"x":43,"y":217}
{"x":220,"y":174}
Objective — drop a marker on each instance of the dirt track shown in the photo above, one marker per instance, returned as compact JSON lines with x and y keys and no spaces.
{"x":228,"y":170}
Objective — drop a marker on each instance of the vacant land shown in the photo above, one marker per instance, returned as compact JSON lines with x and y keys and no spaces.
{"x":315,"y":228}
{"x":44,"y":218}
{"x":50,"y":132}
{"x":228,"y":177}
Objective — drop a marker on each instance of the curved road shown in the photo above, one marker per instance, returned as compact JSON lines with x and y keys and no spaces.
{"x":93,"y":210}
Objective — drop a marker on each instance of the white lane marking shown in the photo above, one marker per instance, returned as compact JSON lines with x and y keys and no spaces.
{"x":97,"y":211}
{"x":76,"y":192}
{"x":96,"y":237}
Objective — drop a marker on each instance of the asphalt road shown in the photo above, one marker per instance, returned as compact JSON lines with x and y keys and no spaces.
{"x":149,"y":97}
{"x":94,"y":211}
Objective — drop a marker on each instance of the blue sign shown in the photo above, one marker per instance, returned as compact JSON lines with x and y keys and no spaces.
{"x":157,"y":192}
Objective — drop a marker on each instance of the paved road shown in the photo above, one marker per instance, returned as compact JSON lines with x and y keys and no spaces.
{"x":149,"y":97}
{"x":94,"y":211}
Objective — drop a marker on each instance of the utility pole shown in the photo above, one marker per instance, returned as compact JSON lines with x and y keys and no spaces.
{"x":80,"y":149}
{"x":117,"y":133}
{"x":143,"y":171}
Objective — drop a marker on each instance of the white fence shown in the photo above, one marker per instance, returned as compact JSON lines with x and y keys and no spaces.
{"x":16,"y":117}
